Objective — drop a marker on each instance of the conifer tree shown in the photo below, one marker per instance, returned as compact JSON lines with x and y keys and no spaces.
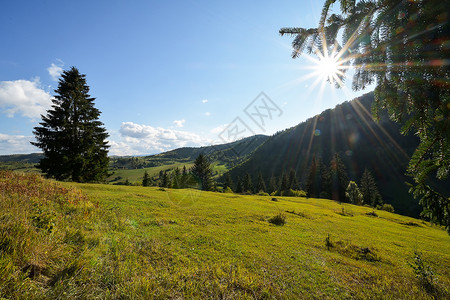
{"x":293,"y":181}
{"x":284,"y":183}
{"x":146,"y":180}
{"x":239,"y":185}
{"x":339,"y":178}
{"x":399,"y":46}
{"x":325,"y":180}
{"x":203,"y":172}
{"x":228,"y":182}
{"x":369,"y":190}
{"x":261,"y":185}
{"x":353,"y":194}
{"x":273,"y":187}
{"x":247,"y":183}
{"x":70,"y":134}
{"x":312,"y":181}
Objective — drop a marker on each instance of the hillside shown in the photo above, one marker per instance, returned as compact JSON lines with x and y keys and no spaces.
{"x":223,"y":157}
{"x":103,"y":241}
{"x":350,"y":131}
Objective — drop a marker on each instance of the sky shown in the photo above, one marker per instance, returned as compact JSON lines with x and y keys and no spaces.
{"x":165,"y":74}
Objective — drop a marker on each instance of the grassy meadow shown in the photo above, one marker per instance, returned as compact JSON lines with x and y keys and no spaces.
{"x":66,"y":240}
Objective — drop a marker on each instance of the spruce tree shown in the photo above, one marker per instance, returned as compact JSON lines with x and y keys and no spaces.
{"x":369,"y":190}
{"x":273,"y":187}
{"x":339,"y":178}
{"x":228,"y":182}
{"x":293,"y":181}
{"x":284,"y":183}
{"x":203,"y":172}
{"x":146,"y":180}
{"x":312,"y":181}
{"x":71,"y":136}
{"x":261,"y":185}
{"x":353,"y":194}
{"x":400,"y":46}
{"x":239,"y":185}
{"x":247,"y":183}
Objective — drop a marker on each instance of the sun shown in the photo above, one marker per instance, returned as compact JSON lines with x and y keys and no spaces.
{"x":329,"y":67}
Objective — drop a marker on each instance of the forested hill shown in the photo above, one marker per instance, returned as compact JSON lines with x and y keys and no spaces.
{"x":350,"y":131}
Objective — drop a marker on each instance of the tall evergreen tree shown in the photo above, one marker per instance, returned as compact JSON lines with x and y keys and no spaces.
{"x":146,"y":181}
{"x":261,"y":185}
{"x":203,"y":172}
{"x":325,"y":180}
{"x":284,"y":183}
{"x":353,"y":194}
{"x":339,"y":178}
{"x":313,"y":181}
{"x":71,"y":136}
{"x":228,"y":182}
{"x":273,"y":187}
{"x":369,"y":190}
{"x":399,"y":45}
{"x":293,"y":181}
{"x":239,"y":185}
{"x":247,"y":183}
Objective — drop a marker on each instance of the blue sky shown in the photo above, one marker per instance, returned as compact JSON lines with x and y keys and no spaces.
{"x":165,"y":74}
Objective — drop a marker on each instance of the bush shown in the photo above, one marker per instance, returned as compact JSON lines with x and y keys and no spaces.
{"x":228,"y":190}
{"x":386,"y":207}
{"x":278,"y":220}
{"x":262,"y":193}
{"x":423,"y":272}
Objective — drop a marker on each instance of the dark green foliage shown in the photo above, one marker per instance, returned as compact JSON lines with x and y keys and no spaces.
{"x":261,"y":185}
{"x":228,"y":182}
{"x":146,"y":181}
{"x":400,"y":46}
{"x":339,"y":178}
{"x":203,"y":172}
{"x":71,"y":136}
{"x":293,"y":180}
{"x":386,"y":207}
{"x":313,"y":179}
{"x":423,"y":272}
{"x":247,"y":183}
{"x":239,"y":186}
{"x":273,"y":186}
{"x":369,"y":190}
{"x":164,"y":180}
{"x":284,"y":183}
{"x":278,"y":220}
{"x":353,"y":194}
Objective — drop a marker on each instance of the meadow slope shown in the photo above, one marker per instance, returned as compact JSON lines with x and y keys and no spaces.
{"x":65,"y":240}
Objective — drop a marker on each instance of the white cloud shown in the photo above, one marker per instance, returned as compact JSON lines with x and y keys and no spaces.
{"x":138,"y":139}
{"x":24,"y":97}
{"x":219,"y":129}
{"x":16,"y":144}
{"x":55,"y":70}
{"x":207,"y":113}
{"x":205,"y":101}
{"x":179,"y":123}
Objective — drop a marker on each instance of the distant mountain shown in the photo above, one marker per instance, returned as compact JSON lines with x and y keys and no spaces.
{"x":350,"y":131}
{"x":32,"y":158}
{"x":229,"y":154}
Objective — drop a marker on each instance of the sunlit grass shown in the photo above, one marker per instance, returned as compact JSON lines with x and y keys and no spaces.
{"x":137,"y":242}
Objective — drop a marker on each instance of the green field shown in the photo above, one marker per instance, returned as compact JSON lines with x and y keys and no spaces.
{"x":65,"y":240}
{"x":135,"y":175}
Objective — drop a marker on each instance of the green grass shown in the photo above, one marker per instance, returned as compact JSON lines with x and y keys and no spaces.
{"x":136,"y":242}
{"x":136,"y":175}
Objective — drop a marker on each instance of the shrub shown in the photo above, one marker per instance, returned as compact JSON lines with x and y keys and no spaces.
{"x":228,"y":190}
{"x":278,"y":220}
{"x":262,"y":193}
{"x":328,"y":242}
{"x":386,"y":207}
{"x":423,"y":272}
